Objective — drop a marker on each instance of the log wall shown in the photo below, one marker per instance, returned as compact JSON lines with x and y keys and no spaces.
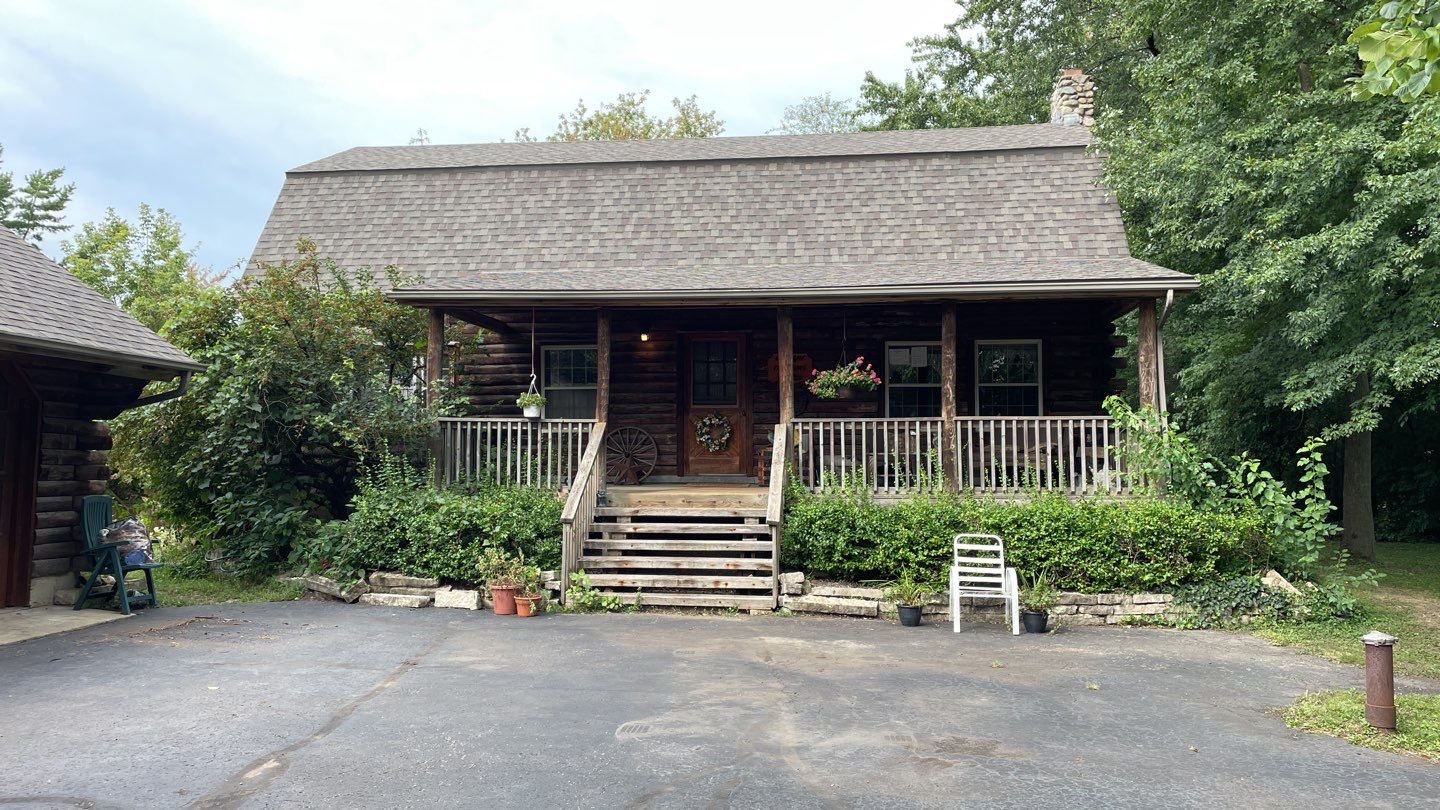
{"x":1077,"y":354}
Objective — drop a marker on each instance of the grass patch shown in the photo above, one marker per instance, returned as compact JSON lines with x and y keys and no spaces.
{"x":177,"y":590}
{"x":1341,"y":713}
{"x":1406,"y":605}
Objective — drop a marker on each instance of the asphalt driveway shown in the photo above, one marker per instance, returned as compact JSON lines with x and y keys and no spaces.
{"x":309,"y":704}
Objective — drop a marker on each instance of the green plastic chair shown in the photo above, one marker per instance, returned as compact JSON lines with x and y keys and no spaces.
{"x":95,"y":515}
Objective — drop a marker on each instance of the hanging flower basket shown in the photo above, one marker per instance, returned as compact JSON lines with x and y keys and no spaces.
{"x":531,"y":403}
{"x":713,"y":432}
{"x":844,"y":382}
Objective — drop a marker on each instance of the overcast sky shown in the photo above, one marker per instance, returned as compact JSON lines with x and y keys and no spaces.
{"x":200,"y":107}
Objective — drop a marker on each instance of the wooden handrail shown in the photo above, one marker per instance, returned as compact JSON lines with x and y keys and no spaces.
{"x":779,"y":456}
{"x":582,"y":472}
{"x":579,"y":512}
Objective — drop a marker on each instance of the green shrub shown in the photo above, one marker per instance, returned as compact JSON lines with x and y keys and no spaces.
{"x":1140,"y":544}
{"x":399,"y":522}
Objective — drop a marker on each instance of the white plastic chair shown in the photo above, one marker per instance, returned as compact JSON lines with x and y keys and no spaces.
{"x":978,"y":570}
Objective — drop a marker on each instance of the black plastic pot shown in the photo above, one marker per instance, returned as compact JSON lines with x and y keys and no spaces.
{"x":1035,"y":621}
{"x":909,"y":615}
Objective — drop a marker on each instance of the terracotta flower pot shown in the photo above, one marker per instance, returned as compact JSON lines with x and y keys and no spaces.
{"x":503,"y":597}
{"x":528,"y":605}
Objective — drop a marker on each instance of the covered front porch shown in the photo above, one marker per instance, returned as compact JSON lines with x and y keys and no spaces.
{"x":992,"y":397}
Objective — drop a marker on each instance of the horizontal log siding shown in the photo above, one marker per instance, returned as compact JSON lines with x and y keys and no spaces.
{"x":74,"y":451}
{"x":645,"y":380}
{"x":1078,"y":350}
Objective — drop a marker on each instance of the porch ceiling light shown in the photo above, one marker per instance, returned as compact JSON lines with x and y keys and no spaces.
{"x":644,"y":337}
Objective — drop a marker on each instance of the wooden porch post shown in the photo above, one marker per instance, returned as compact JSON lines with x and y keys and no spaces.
{"x":602,"y":365}
{"x":434,"y":368}
{"x":947,"y":396}
{"x":434,"y":355}
{"x":1147,"y":366}
{"x":785,"y":353}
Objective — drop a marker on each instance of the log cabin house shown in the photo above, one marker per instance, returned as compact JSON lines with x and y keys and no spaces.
{"x":69,"y":359}
{"x":673,"y":298}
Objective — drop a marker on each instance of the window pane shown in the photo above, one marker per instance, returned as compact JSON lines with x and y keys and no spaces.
{"x":570,"y":403}
{"x":900,"y":367}
{"x":1009,"y":363}
{"x":570,"y":366}
{"x":914,"y":403}
{"x":1009,"y":400}
{"x":714,"y":372}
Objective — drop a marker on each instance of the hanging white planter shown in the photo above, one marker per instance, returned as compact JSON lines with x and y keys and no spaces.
{"x":531,"y":401}
{"x":532,"y":411}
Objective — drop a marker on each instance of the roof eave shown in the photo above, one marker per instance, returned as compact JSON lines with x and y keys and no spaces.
{"x":146,"y":367}
{"x":1058,"y":289}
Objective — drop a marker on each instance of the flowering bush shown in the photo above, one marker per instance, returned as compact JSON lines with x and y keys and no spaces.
{"x":856,"y":374}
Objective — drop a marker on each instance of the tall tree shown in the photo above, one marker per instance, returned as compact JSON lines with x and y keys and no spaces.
{"x":144,"y":267}
{"x":1238,"y":155}
{"x":37,"y":207}
{"x":626,"y":118}
{"x":1399,"y":42}
{"x":820,"y":115}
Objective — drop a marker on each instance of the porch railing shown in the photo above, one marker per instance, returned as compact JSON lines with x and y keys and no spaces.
{"x":579,"y":510}
{"x":512,"y":450}
{"x":1075,"y":455}
{"x":887,"y":455}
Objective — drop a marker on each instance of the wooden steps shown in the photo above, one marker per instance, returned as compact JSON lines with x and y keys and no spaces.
{"x":683,"y":549}
{"x":717,"y":600}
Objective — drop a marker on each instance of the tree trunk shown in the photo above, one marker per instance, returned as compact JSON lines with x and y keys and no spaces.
{"x":1357,"y":510}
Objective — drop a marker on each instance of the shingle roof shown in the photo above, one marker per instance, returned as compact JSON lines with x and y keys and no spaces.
{"x":754,"y":147}
{"x":48,"y":311}
{"x":866,"y":210}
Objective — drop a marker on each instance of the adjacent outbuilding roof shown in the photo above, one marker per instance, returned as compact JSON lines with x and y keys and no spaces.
{"x":951,"y":212}
{"x":48,"y":311}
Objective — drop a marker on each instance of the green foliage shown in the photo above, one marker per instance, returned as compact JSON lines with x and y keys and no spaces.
{"x":1036,"y":592}
{"x":856,"y":374}
{"x":498,"y":569}
{"x":582,"y":597}
{"x":144,"y":267}
{"x":1296,"y":522}
{"x":528,"y":399}
{"x":1400,"y":46}
{"x":1142,"y":544}
{"x":399,"y":522}
{"x":907,"y":591}
{"x":625,"y":118}
{"x":1238,"y":155}
{"x":1222,"y":603}
{"x":309,"y":376}
{"x":36,"y":207}
{"x":818,"y":115}
{"x":1341,"y":713}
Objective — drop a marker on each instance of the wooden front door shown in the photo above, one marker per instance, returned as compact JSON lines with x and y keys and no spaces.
{"x":19,"y":426}
{"x":715,"y":385}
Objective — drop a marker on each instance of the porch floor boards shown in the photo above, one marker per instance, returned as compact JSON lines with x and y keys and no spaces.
{"x":704,"y":496}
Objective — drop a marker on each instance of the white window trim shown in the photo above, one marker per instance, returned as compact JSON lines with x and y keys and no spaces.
{"x":544,"y":386}
{"x":1039,"y":383}
{"x":939,"y":384}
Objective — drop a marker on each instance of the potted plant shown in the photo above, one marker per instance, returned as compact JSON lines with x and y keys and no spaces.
{"x":909,"y":597}
{"x":531,"y":403}
{"x":843,"y":382}
{"x":1036,"y":599}
{"x":531,"y":599}
{"x":503,"y":575}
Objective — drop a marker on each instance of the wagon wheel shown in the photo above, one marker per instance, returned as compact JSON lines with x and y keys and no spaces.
{"x":630,"y":455}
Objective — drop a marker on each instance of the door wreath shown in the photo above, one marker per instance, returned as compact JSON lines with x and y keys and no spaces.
{"x":713,"y":432}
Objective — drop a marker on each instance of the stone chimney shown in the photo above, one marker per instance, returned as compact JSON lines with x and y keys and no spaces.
{"x":1073,"y":101}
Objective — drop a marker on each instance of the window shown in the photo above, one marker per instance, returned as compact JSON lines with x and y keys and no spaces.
{"x":912,"y":380}
{"x":568,"y":376}
{"x":714,"y":372}
{"x":1007,"y":377}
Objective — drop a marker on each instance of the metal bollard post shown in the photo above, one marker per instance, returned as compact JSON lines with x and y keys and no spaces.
{"x":1380,"y":680}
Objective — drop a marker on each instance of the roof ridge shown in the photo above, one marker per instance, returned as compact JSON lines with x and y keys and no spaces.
{"x":725,"y":147}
